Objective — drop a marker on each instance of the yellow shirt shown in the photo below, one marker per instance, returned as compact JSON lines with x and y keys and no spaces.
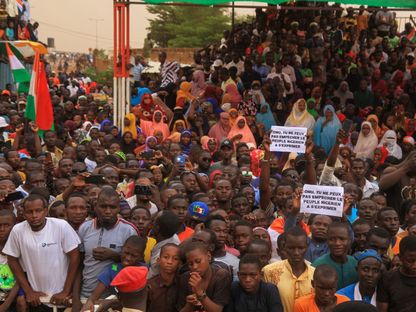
{"x":290,"y":287}
{"x":151,"y":242}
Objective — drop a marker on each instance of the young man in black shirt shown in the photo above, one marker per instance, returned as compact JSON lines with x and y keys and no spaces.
{"x":396,"y":289}
{"x":250,"y":293}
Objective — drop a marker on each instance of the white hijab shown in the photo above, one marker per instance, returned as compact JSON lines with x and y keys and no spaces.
{"x":389,"y":141}
{"x":366,"y":144}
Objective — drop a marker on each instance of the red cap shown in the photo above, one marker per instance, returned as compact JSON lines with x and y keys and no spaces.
{"x":6,"y":92}
{"x":130,"y":279}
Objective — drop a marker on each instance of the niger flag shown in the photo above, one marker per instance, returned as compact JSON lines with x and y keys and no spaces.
{"x":39,"y":104}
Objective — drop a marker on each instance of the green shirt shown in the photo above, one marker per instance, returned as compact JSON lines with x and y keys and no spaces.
{"x":347,"y":272}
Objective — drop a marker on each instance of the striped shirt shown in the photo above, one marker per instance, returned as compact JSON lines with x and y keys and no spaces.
{"x":169,"y":73}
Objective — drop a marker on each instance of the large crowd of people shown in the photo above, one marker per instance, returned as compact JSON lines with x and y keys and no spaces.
{"x":186,"y":208}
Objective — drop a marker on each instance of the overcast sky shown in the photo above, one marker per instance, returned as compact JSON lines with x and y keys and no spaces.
{"x":69,"y":22}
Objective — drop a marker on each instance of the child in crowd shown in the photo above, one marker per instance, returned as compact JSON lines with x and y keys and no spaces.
{"x":132,"y":254}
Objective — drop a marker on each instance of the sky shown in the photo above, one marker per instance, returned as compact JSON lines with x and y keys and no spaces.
{"x":73,"y":23}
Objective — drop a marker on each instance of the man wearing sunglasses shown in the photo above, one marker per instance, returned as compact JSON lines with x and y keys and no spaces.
{"x":204,"y":162}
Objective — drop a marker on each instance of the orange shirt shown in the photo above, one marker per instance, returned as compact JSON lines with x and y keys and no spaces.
{"x":307,"y":303}
{"x":278,"y":225}
{"x":185,"y":234}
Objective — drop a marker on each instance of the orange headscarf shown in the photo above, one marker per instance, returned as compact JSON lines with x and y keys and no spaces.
{"x":248,"y":136}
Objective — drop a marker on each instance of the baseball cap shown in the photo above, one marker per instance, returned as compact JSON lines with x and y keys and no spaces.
{"x":226,"y":143}
{"x":5,"y":92}
{"x":198,"y":210}
{"x":130,"y":279}
{"x":411,"y":54}
{"x":368,"y":253}
{"x":409,"y":139}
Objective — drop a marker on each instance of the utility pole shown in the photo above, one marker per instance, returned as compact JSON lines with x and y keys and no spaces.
{"x":96,"y":20}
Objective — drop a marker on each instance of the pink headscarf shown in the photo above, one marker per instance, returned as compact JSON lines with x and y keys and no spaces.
{"x":233,"y":94}
{"x":151,"y":127}
{"x":198,"y":83}
{"x":245,"y":132}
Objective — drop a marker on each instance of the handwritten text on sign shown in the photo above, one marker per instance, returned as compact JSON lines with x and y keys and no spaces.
{"x":288,"y":139}
{"x":324,"y":200}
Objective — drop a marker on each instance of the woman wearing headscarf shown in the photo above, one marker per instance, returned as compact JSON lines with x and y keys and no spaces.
{"x":83,"y":131}
{"x":367,"y":141}
{"x":105,"y":126}
{"x":209,"y":144}
{"x":135,"y":100}
{"x":233,"y":113}
{"x":343,"y":93}
{"x":265,"y":116}
{"x":374,"y":121}
{"x":149,"y":143}
{"x":326,"y":129}
{"x":178,"y":127}
{"x":147,"y":107}
{"x":221,"y":129}
{"x":198,"y":83}
{"x":389,"y":141}
{"x":231,"y":95}
{"x":130,"y":125}
{"x":184,"y":94}
{"x":127,"y":143}
{"x":300,"y":117}
{"x":212,"y":91}
{"x":150,"y":127}
{"x":185,"y":142}
{"x":241,"y":132}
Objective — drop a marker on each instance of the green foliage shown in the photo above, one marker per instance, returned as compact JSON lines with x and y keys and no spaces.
{"x":187,"y":27}
{"x":102,"y":77}
{"x":239,"y":19}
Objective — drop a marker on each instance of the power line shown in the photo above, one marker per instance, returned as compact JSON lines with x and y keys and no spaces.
{"x":63,"y":29}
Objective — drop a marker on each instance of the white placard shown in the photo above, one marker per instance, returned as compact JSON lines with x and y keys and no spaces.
{"x":288,"y":139}
{"x":324,"y":200}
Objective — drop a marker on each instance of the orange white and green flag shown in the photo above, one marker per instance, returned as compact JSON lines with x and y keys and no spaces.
{"x":20,"y":74}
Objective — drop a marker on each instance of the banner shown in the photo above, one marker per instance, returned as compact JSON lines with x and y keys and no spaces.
{"x":288,"y":139}
{"x":323,"y":200}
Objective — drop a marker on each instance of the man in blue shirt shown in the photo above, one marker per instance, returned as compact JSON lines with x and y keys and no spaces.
{"x":369,"y":272}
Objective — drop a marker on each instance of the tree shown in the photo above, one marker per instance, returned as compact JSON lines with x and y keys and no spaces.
{"x":187,"y":27}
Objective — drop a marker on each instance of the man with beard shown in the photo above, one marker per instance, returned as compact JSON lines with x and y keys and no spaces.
{"x":102,"y":239}
{"x":204,"y":162}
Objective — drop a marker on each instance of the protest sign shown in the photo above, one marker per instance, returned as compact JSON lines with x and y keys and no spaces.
{"x":288,"y":139}
{"x":324,"y":200}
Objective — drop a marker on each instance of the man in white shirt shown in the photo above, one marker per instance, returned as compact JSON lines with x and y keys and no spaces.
{"x":73,"y":88}
{"x":43,"y":254}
